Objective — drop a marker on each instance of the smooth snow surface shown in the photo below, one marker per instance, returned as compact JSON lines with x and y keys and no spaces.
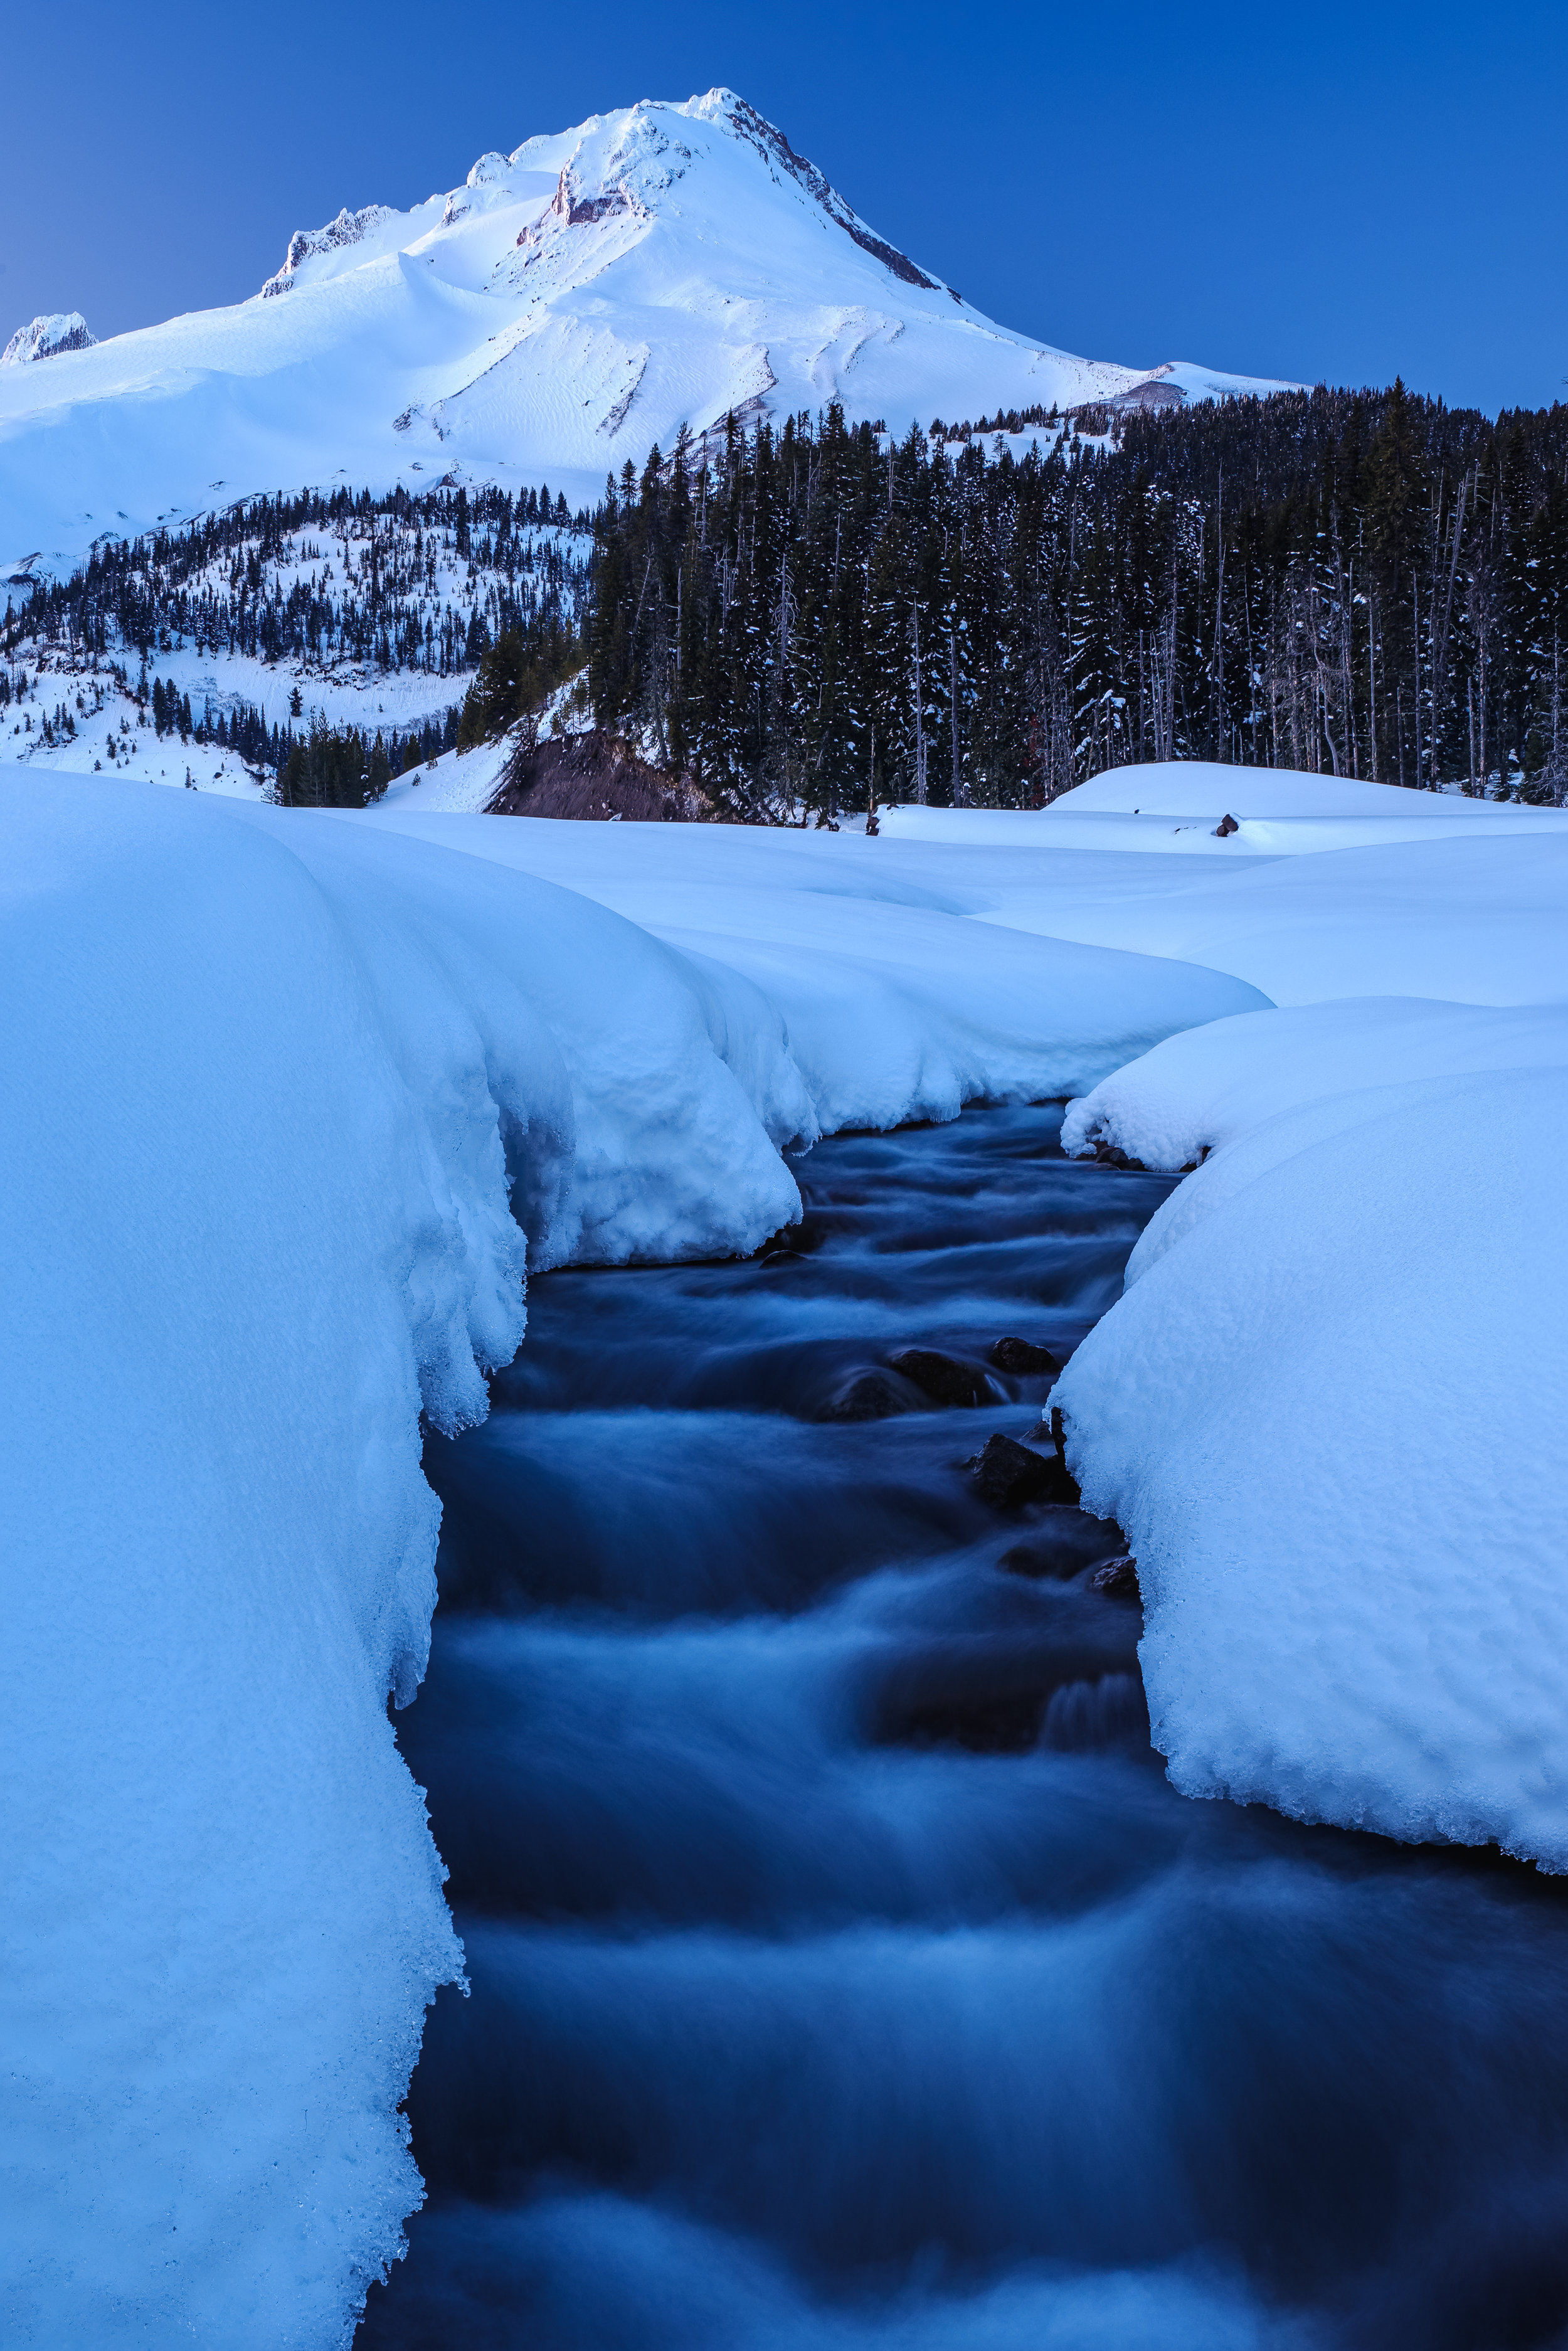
{"x":573,"y":304}
{"x":1477,"y":921}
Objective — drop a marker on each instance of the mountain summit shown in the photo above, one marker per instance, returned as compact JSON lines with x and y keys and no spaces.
{"x":566,"y":308}
{"x":46,"y":338}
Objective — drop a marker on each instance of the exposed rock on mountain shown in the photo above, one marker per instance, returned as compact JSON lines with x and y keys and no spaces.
{"x":59,"y":330}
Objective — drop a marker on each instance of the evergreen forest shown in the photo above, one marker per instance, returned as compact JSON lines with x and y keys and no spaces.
{"x":1364,"y":584}
{"x":807,"y":618}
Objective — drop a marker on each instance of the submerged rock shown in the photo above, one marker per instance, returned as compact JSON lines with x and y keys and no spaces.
{"x":1023,"y":1359}
{"x":1039,"y":1559}
{"x":943,"y":1378}
{"x":869,"y":1396}
{"x":1009,"y":1474}
{"x":1062,"y":1543}
{"x":1118,"y":1580}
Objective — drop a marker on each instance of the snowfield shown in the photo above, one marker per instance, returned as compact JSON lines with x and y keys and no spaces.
{"x":573,"y":304}
{"x":291,"y":1096}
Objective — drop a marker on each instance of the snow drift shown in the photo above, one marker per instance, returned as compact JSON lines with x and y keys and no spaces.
{"x":1328,"y":1410}
{"x":896,"y":1005}
{"x":1328,"y":1413}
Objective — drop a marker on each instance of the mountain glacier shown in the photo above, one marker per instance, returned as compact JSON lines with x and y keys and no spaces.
{"x":571,"y":305}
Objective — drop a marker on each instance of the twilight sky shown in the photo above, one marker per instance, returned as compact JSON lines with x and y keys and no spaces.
{"x":1342,"y":192}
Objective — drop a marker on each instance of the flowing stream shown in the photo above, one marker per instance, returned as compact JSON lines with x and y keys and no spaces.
{"x":844,"y":1972}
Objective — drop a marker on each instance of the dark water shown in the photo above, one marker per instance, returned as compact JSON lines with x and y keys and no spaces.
{"x":844,"y":1973}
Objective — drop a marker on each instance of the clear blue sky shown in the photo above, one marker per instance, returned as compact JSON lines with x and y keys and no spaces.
{"x":1339,"y":191}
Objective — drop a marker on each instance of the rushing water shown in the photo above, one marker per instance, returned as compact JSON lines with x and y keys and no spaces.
{"x":844,"y":1972}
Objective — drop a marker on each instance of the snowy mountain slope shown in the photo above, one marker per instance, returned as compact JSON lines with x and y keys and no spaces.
{"x":571,"y":305}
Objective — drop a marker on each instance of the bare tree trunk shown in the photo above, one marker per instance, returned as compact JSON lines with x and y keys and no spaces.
{"x":919,"y":716}
{"x":956,"y":794}
{"x":1219,"y":617}
{"x":1371,"y":677}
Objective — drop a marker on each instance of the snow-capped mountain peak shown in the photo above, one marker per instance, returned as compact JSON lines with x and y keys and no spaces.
{"x":566,"y":307}
{"x":45,"y":338}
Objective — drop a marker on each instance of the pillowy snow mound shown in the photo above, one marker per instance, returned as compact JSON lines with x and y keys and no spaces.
{"x":1205,"y":787}
{"x":897,"y":1003}
{"x":267,"y":1106}
{"x":1210,"y":1086}
{"x":1328,"y":1412}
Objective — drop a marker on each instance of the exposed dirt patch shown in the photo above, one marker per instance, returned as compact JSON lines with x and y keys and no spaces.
{"x":593,"y":778}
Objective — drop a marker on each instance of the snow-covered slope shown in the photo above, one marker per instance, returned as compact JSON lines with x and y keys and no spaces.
{"x":569,"y":306}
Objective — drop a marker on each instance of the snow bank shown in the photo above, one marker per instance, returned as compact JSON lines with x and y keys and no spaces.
{"x":229,"y":1279}
{"x":271,"y":1088}
{"x":896,"y":1005}
{"x":1328,"y":1409}
{"x":1174,"y":808}
{"x":681,"y":1085}
{"x":1328,"y":1412}
{"x":1205,"y":787}
{"x":1208,"y":1087}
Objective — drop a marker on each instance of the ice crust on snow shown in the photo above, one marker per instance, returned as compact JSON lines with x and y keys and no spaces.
{"x":287,"y":1096}
{"x":571,"y":304}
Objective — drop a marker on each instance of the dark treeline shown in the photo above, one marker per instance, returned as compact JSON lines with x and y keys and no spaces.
{"x":399,"y":583}
{"x":518,"y":676}
{"x":1360,"y":583}
{"x":341,"y":767}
